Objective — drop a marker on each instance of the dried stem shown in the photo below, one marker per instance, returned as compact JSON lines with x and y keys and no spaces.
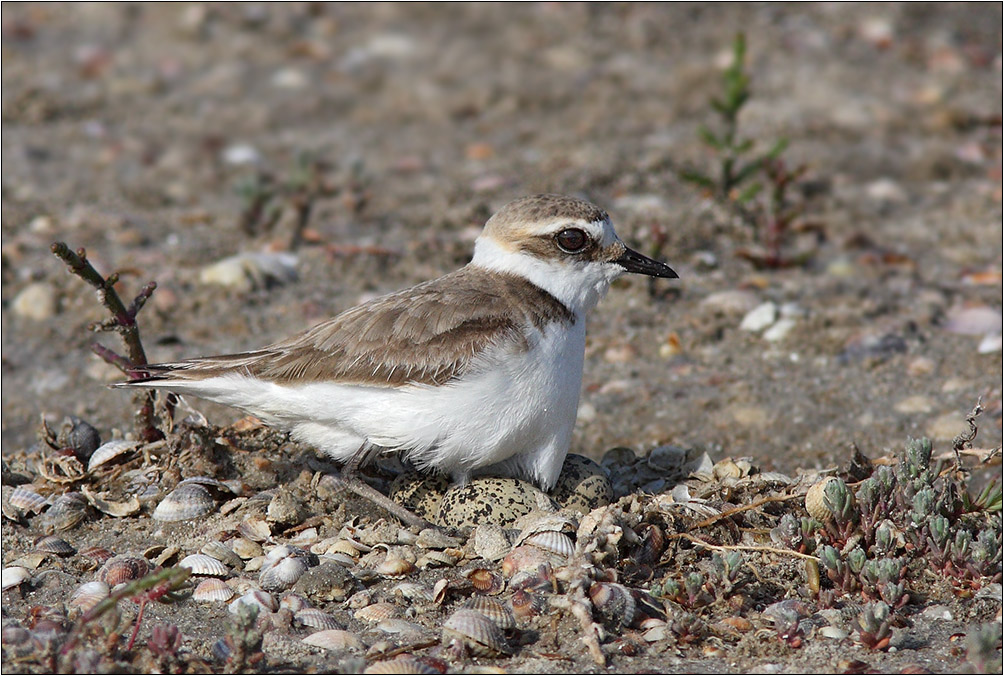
{"x":123,"y":322}
{"x":745,"y":548}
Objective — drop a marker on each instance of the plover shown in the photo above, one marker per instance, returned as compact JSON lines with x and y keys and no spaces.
{"x":475,"y":373}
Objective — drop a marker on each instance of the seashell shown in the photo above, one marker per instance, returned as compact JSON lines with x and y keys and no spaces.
{"x":80,"y":436}
{"x":255,"y":529}
{"x":614,"y":602}
{"x":26,"y":500}
{"x":376,"y":612}
{"x":527,"y":603}
{"x":493,"y":609}
{"x":109,"y":451}
{"x":203,"y":564}
{"x":246,"y":549}
{"x":440,"y":591}
{"x":222,"y":553}
{"x":395,"y":567}
{"x":212,"y":590}
{"x":543,"y":522}
{"x":653,"y":543}
{"x":119,"y":569}
{"x":14,"y":576}
{"x":187,"y":501}
{"x":486,"y":581}
{"x":97,"y":554}
{"x":316,"y":619}
{"x":66,"y":512}
{"x":126,"y":507}
{"x":435,"y":557}
{"x":213,"y":485}
{"x":413,"y":591}
{"x":814,"y":500}
{"x":552,"y":542}
{"x":476,"y":633}
{"x":159,"y":555}
{"x":525,"y":559}
{"x":255,"y":597}
{"x":398,"y":626}
{"x":282,"y":567}
{"x":88,"y":595}
{"x":541,"y":579}
{"x":338,"y":546}
{"x":334,"y":639}
{"x":433,"y":538}
{"x":402,"y":664}
{"x":51,"y":544}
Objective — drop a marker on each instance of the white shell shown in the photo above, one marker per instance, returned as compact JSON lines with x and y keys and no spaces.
{"x":316,"y":619}
{"x":13,"y":576}
{"x":255,"y":597}
{"x":479,"y":635}
{"x":334,"y":639}
{"x":110,"y":450}
{"x":187,"y":501}
{"x":213,"y":590}
{"x":88,"y":595}
{"x":202,"y":564}
{"x":376,"y":612}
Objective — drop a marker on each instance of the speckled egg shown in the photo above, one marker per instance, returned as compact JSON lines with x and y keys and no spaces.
{"x":421,"y":493}
{"x":491,"y":500}
{"x":583,"y":485}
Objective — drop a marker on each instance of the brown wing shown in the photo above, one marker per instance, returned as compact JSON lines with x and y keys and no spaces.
{"x":427,"y":334}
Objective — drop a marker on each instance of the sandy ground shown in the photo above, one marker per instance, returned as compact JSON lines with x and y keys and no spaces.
{"x":129,"y":129}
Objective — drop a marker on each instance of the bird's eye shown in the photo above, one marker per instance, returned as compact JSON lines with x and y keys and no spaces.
{"x":572,"y":240}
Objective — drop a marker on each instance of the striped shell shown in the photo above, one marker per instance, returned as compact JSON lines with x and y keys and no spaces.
{"x":119,"y":569}
{"x":109,"y":451}
{"x":316,"y":619}
{"x":552,"y":542}
{"x":815,"y":503}
{"x":202,"y":564}
{"x":527,"y":603}
{"x":486,"y":581}
{"x":187,"y":501}
{"x":402,"y":664}
{"x":282,"y":567}
{"x":88,"y":595}
{"x":376,"y":612}
{"x":255,"y":597}
{"x":614,"y":602}
{"x":493,"y":609}
{"x":413,"y":591}
{"x":255,"y":529}
{"x":475,"y":633}
{"x":66,"y":512}
{"x":334,"y":639}
{"x":294,"y":603}
{"x":26,"y":500}
{"x":213,"y":590}
{"x":51,"y":544}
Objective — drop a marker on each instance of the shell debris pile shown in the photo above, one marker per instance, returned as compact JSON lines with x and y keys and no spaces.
{"x":634,"y":555}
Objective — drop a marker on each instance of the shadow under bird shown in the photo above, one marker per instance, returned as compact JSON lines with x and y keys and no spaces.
{"x":475,"y":373}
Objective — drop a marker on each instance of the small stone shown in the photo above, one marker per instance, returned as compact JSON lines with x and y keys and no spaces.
{"x":947,"y":426}
{"x":750,"y":416}
{"x":240,"y":153}
{"x":290,"y":78}
{"x":586,"y":412}
{"x":915,"y":404}
{"x":732,"y":301}
{"x":921,"y":366}
{"x":779,"y":330}
{"x":989,"y":344}
{"x":36,"y":301}
{"x":759,"y":318}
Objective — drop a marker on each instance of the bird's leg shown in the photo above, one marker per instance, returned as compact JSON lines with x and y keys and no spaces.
{"x":350,"y":479}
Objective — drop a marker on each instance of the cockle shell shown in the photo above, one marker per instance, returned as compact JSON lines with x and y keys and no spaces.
{"x":402,"y":664}
{"x":493,"y":609}
{"x":51,"y":544}
{"x":119,"y":569}
{"x":476,"y":633}
{"x":221,"y":552}
{"x":213,"y":590}
{"x":255,"y":597}
{"x":65,"y":513}
{"x":376,"y":612}
{"x":88,"y":595}
{"x":187,"y":501}
{"x":334,"y":639}
{"x":13,"y":576}
{"x":109,"y":451}
{"x":202,"y":564}
{"x":26,"y":500}
{"x":815,"y":503}
{"x":316,"y":619}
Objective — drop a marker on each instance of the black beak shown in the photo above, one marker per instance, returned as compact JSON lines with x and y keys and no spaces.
{"x":632,"y":261}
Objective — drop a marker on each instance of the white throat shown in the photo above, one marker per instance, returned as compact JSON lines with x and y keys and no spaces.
{"x":579,"y":287}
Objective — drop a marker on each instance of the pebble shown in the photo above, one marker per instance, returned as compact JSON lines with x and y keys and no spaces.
{"x":990,"y":343}
{"x":36,"y":301}
{"x":240,"y":153}
{"x":732,"y":301}
{"x":947,"y":426}
{"x":251,"y":270}
{"x":750,"y":416}
{"x":779,"y":330}
{"x":973,"y":321}
{"x":921,"y":366}
{"x":918,"y":403}
{"x":759,"y":318}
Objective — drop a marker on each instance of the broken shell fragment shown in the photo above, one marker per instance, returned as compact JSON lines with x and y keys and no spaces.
{"x":66,"y":512}
{"x":14,"y":576}
{"x":26,"y":501}
{"x":402,"y":664}
{"x":221,"y":552}
{"x":187,"y":501}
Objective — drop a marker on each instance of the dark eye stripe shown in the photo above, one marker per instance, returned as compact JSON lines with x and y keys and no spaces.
{"x":572,"y":240}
